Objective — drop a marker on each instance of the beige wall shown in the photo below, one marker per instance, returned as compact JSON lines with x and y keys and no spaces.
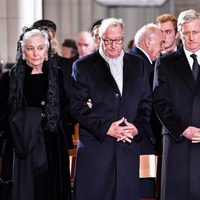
{"x":15,"y":14}
{"x":72,"y":16}
{"x":3,"y":32}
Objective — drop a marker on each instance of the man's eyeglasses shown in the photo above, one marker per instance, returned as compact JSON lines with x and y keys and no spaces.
{"x":110,"y":41}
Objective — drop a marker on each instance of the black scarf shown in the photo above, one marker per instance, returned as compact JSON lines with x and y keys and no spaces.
{"x":52,"y":107}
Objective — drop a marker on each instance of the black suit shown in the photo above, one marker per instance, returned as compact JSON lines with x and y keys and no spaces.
{"x":107,"y":169}
{"x":177,"y":102}
{"x":152,"y":134}
{"x":68,"y":122}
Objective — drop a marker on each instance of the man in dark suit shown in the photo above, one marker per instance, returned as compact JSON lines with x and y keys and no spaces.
{"x":177,"y":103}
{"x":148,"y":45}
{"x":107,"y":165}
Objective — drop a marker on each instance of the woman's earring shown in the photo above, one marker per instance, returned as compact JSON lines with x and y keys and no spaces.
{"x":46,"y":58}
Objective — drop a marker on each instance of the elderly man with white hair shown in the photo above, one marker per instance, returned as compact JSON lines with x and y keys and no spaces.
{"x":107,"y":165}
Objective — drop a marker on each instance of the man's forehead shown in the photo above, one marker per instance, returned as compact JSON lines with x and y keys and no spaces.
{"x":83,"y":43}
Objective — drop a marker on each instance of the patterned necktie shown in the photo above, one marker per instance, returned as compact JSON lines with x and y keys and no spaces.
{"x":195,"y":66}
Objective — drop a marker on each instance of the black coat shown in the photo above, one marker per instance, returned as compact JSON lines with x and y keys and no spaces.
{"x":41,"y":165}
{"x":153,"y":133}
{"x":151,"y":140}
{"x":107,"y":169}
{"x":177,"y":103}
{"x":68,"y":121}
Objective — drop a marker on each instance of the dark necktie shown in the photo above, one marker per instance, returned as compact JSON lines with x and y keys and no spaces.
{"x":195,"y":66}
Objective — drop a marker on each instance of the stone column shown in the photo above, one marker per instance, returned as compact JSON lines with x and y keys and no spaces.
{"x":14,"y":16}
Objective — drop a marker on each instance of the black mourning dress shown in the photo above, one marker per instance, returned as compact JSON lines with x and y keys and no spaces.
{"x":40,"y":159}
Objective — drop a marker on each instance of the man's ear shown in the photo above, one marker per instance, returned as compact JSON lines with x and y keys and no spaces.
{"x":147,"y":42}
{"x":177,"y":35}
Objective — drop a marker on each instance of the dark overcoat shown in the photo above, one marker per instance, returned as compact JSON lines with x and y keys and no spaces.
{"x":107,"y":169}
{"x":152,"y":136}
{"x":154,"y":130}
{"x":177,"y":102}
{"x":68,"y":123}
{"x":35,"y":159}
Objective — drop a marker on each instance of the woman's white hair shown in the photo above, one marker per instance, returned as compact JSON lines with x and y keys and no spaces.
{"x":35,"y":32}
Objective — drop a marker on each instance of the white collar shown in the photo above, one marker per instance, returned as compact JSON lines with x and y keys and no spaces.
{"x":146,"y":55}
{"x":108,"y":60}
{"x":188,"y":53}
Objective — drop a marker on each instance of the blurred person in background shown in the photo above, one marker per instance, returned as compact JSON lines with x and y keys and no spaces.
{"x":168,"y":24}
{"x":85,"y":43}
{"x":69,"y":49}
{"x":94,"y":29}
{"x":130,"y":45}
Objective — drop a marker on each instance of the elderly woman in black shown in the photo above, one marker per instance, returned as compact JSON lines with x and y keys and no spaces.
{"x":35,"y":158}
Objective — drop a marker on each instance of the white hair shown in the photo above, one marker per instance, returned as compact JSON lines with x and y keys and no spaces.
{"x":35,"y":32}
{"x":145,"y":32}
{"x":109,"y":22}
{"x":185,"y":17}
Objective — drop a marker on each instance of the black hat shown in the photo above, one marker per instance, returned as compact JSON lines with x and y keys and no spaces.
{"x":44,"y":23}
{"x":96,"y":23}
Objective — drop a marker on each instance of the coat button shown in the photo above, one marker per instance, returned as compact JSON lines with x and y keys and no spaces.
{"x":43,"y":115}
{"x":117,"y":95}
{"x":42,"y":103}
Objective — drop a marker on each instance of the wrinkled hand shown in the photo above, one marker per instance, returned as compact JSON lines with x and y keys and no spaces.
{"x":192,"y":133}
{"x":122,"y":133}
{"x":129,"y":131}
